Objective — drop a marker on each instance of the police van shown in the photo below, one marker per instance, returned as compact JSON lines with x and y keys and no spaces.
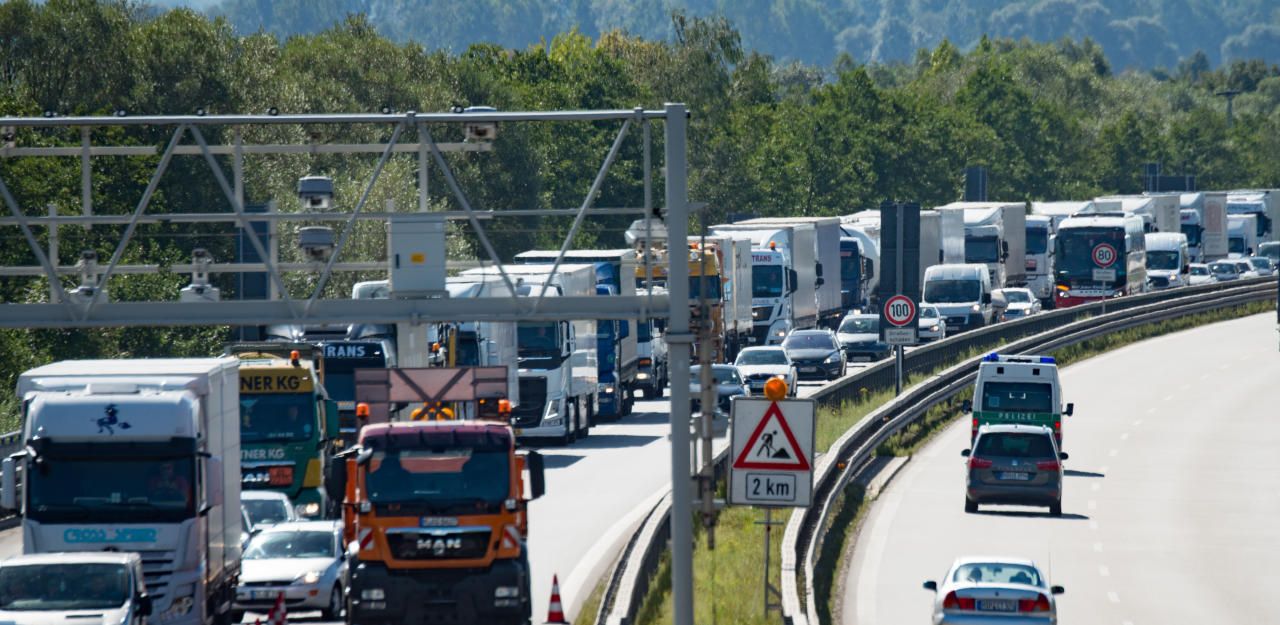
{"x":1018,"y":389}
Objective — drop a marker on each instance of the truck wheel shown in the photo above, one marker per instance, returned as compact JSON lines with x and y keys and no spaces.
{"x":588,"y":416}
{"x":628,"y":401}
{"x":570,"y":422}
{"x":334,"y":611}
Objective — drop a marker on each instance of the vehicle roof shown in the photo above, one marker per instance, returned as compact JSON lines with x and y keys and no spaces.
{"x":1166,"y":238}
{"x":1015,"y":428}
{"x":1095,"y":221}
{"x":303,"y":526}
{"x":955,"y":270}
{"x":132,"y":367}
{"x":77,"y":557}
{"x":263,"y":495}
{"x":762,"y":348}
{"x":822,"y":332}
{"x":1056,"y":209}
{"x":1014,"y":288}
{"x":993,"y":560}
{"x":868,"y":315}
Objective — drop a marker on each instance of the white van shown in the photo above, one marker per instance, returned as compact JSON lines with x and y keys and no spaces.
{"x":1168,"y":260}
{"x":962,"y":293}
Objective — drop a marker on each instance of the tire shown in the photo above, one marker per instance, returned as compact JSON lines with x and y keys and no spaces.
{"x":336,"y":602}
{"x":236,"y":616}
{"x":970,"y":505}
{"x":569,"y":433}
{"x":645,"y":393}
{"x":583,"y":421}
{"x":628,"y":401}
{"x":1055,"y":508}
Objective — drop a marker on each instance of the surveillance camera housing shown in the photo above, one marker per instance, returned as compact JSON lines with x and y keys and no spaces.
{"x":199,"y":294}
{"x":315,"y":192}
{"x":480,"y":131}
{"x":316,"y":242}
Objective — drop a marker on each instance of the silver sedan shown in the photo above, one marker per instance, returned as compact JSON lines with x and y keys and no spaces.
{"x":995,"y":591}
{"x":302,"y":560}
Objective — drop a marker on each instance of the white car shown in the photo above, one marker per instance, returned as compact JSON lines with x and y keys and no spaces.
{"x":1246,"y":270}
{"x":1021,"y":303}
{"x":267,"y":508}
{"x":758,"y":364}
{"x":933,"y":327}
{"x":1262,"y":266}
{"x":994,"y":590}
{"x":1200,"y":274}
{"x":84,"y":587}
{"x":303,"y":560}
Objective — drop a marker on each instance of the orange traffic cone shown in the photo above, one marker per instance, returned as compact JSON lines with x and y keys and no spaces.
{"x":555,"y":613}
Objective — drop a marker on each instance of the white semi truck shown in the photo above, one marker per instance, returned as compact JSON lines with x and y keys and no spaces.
{"x":859,"y":231}
{"x":995,"y":235}
{"x":783,"y":278}
{"x":1159,"y":212}
{"x":1204,"y":221}
{"x":1242,"y":235}
{"x":558,"y":373}
{"x":136,"y":456}
{"x":825,"y":237}
{"x":1264,"y":203}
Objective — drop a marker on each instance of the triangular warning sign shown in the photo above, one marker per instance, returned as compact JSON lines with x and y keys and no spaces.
{"x":772,"y":446}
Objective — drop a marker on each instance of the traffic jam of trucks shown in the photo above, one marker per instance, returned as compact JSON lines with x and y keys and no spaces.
{"x":427,"y":484}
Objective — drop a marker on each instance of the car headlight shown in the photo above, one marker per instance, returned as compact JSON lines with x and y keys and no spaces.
{"x":933,"y":328}
{"x":310,"y":577}
{"x":779,"y":333}
{"x":975,"y":308}
{"x":834,"y":357}
{"x":308,"y":509}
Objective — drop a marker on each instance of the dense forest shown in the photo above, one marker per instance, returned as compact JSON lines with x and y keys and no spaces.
{"x":1050,"y":120}
{"x":1145,"y":34}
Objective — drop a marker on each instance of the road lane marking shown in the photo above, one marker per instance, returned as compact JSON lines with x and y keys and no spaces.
{"x":1113,"y":453}
{"x":1093,"y":525}
{"x":1113,"y":597}
{"x":878,"y":539}
{"x":1124,"y":437}
{"x":1095,"y":486}
{"x":1093,"y":505}
{"x":1104,"y":571}
{"x":1097,"y":547}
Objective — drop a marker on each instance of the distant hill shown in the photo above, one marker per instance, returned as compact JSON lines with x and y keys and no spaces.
{"x":1140,"y":34}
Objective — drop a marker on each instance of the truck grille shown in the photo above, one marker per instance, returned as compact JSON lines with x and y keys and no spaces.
{"x":533,"y":400}
{"x":459,"y":544}
{"x":157,"y":568}
{"x":1159,"y":282}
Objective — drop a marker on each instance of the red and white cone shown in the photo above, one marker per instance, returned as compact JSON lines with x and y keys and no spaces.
{"x":555,"y":613}
{"x":277,"y":615}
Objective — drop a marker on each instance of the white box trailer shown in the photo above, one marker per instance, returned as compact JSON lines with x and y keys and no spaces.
{"x":1213,"y":210}
{"x":951,"y":224}
{"x":826,"y":235}
{"x":1263,"y":203}
{"x":1159,"y":212}
{"x":138,"y":455}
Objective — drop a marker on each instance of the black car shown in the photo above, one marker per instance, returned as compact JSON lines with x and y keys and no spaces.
{"x":860,"y":338}
{"x":1014,"y":464}
{"x":729,"y":384}
{"x":816,"y":354}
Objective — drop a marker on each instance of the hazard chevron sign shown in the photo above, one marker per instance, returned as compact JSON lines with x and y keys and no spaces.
{"x":772,"y":453}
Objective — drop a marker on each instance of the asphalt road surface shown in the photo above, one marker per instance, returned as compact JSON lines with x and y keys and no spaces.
{"x":1170,"y":498}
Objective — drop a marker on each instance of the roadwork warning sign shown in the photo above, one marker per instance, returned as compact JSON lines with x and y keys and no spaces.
{"x":772,"y":453}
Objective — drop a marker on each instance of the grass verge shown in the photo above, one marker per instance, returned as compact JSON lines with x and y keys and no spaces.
{"x":592,"y":605}
{"x":727,"y":580}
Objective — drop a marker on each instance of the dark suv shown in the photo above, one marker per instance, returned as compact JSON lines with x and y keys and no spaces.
{"x":1014,"y":464}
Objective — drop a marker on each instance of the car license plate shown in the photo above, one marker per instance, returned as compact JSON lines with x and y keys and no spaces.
{"x":263,"y":594}
{"x":1015,"y":475}
{"x":808,"y":369}
{"x":997,"y":605}
{"x":519,"y":431}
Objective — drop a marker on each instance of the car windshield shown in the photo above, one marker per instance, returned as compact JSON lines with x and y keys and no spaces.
{"x":815,"y":340}
{"x":449,"y":476}
{"x":266,"y":511}
{"x":1223,"y":268}
{"x":762,"y":357}
{"x":1260,"y":263}
{"x":1162,"y":259}
{"x":276,"y":417}
{"x":928,"y":312}
{"x":1243,"y":267}
{"x":1017,"y":297}
{"x":291,"y":544}
{"x":1015,"y":445}
{"x":1199,"y":270}
{"x":81,"y":586}
{"x":766,"y":281}
{"x":985,"y":250}
{"x":722,"y":375}
{"x":997,"y":573}
{"x":952,"y":291}
{"x":860,"y":325}
{"x":112,"y":490}
{"x":1017,"y":397}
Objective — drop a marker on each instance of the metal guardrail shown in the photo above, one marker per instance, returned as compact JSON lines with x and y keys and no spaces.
{"x":629,"y":581}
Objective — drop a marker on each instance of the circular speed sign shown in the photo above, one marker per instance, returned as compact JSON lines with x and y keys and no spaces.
{"x":1104,"y":255}
{"x":900,"y":310}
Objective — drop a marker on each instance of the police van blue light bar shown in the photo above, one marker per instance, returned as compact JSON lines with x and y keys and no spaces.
{"x":1048,"y":360}
{"x":992,"y":357}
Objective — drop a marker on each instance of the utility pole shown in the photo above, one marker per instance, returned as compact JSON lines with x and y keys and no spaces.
{"x":1230,"y":95}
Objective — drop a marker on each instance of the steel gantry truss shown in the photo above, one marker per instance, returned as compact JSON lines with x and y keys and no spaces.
{"x":65,"y":312}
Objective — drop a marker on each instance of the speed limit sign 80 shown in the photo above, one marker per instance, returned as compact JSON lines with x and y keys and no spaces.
{"x":899,"y":310}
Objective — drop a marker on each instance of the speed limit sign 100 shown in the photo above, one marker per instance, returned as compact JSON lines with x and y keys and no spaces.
{"x":900,"y":310}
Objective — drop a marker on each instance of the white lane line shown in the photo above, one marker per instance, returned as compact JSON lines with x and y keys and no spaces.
{"x":1113,"y":453}
{"x":1104,"y":571}
{"x":1095,"y":487}
{"x":1113,"y":597}
{"x":1103,"y":470}
{"x":1151,"y":410}
{"x":1123,"y":437}
{"x":1093,"y":525}
{"x":1168,"y":397}
{"x":1137,"y":423}
{"x":1097,"y":547}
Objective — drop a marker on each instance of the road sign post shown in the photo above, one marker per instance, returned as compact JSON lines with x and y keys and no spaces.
{"x":899,"y":285}
{"x":772,"y":453}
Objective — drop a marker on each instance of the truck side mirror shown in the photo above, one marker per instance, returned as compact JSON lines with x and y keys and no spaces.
{"x":624,"y":329}
{"x":821,"y":280}
{"x":966,"y":406}
{"x":9,"y":484}
{"x":1071,"y":409}
{"x":986,"y":298}
{"x":566,"y":340}
{"x":217,"y":488}
{"x":144,"y":604}
{"x":792,"y":279}
{"x":335,"y":478}
{"x":331,"y":426}
{"x":537,"y":475}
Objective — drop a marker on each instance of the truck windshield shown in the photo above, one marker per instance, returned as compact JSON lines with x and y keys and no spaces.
{"x":952,"y":291}
{"x":537,"y":339}
{"x":111,"y":490}
{"x":850,"y":267}
{"x":1193,"y":234}
{"x":981,"y":250}
{"x":1235,"y":245}
{"x":60,"y":587}
{"x":1017,"y":397}
{"x":1162,"y":259}
{"x":279,"y":417}
{"x":1037,"y":240}
{"x":705,"y":285}
{"x":458,"y":477}
{"x":766,"y":281}
{"x":340,"y":363}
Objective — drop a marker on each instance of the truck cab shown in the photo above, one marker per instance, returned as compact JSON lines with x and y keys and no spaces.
{"x":436,"y":518}
{"x":1018,"y":390}
{"x":1040,"y":257}
{"x":288,"y":424}
{"x":1242,"y":235}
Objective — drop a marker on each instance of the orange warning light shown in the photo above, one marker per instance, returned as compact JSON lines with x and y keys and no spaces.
{"x":775,"y":389}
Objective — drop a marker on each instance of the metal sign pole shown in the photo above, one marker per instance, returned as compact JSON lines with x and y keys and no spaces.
{"x":898,"y":269}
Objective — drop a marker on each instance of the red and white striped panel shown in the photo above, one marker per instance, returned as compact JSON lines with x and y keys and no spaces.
{"x":510,"y":537}
{"x":366,"y":538}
